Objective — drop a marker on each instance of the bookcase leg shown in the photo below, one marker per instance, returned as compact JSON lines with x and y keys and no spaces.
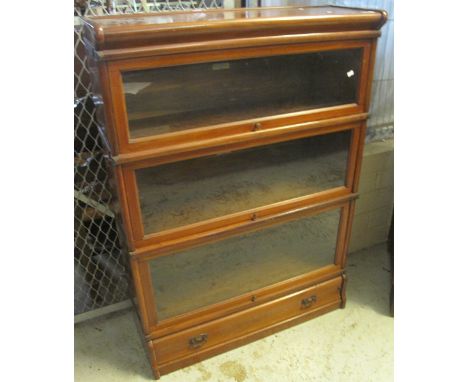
{"x":156,"y":373}
{"x":343,"y":290}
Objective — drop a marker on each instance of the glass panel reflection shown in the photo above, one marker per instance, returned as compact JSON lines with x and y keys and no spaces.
{"x":172,"y":99}
{"x":205,"y":275}
{"x":194,"y":190}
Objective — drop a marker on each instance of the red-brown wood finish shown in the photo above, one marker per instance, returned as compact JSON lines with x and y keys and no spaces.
{"x":175,"y":347}
{"x":119,"y":44}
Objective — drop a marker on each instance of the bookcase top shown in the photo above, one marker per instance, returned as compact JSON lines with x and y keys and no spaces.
{"x":143,"y":29}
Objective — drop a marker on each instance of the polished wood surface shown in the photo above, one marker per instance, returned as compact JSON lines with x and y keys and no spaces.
{"x":223,"y":270}
{"x":135,"y":220}
{"x":176,"y":346}
{"x":230,"y":44}
{"x":220,"y":14}
{"x":201,"y":185}
{"x":185,"y":192}
{"x":230,"y":140}
{"x":177,"y":98}
{"x":240,"y":303}
{"x":242,"y":222}
{"x":243,"y":339}
{"x":140,"y":30}
{"x":127,"y":144}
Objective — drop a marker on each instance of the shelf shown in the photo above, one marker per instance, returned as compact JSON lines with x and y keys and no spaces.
{"x":205,"y":275}
{"x":195,"y":190}
{"x":177,"y":98}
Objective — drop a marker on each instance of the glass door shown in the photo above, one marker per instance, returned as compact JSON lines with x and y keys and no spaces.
{"x":181,"y":193}
{"x":208,"y":274}
{"x":179,"y":98}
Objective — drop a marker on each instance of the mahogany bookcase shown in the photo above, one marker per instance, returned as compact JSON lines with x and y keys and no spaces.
{"x":235,"y":138}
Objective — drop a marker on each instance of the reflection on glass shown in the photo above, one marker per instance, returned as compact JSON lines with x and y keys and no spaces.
{"x":171,"y":99}
{"x":194,"y":190}
{"x":205,"y":275}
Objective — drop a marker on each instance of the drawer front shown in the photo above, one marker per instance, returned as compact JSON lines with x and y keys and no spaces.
{"x":203,"y":337}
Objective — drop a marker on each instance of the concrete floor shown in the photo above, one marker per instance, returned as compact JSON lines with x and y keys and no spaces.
{"x":351,"y":344}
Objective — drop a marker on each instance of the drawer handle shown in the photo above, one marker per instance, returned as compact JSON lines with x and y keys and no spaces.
{"x":309,"y":301}
{"x":197,"y":341}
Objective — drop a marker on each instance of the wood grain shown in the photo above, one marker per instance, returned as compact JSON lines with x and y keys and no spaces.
{"x":243,"y":307}
{"x":176,"y":346}
{"x":241,"y":302}
{"x":130,"y":31}
{"x":217,"y":144}
{"x":242,"y":264}
{"x":238,"y":125}
{"x":185,"y":192}
{"x":245,"y":339}
{"x":281,"y":213}
{"x":228,"y":44}
{"x":134,"y":203}
{"x":178,"y":98}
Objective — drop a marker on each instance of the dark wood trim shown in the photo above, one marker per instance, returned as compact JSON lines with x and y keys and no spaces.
{"x":349,"y":226}
{"x":241,"y":302}
{"x":283,"y":215}
{"x":104,"y":36}
{"x":133,"y":209}
{"x":129,"y":148}
{"x":341,"y":237}
{"x":204,"y":46}
{"x":127,"y":44}
{"x":147,"y":292}
{"x":202,"y":147}
{"x":343,"y":290}
{"x":147,"y":345}
{"x":352,"y":157}
{"x":111,"y":119}
{"x":124,"y":204}
{"x":238,"y":218}
{"x":145,"y":315}
{"x":153,"y":360}
{"x":245,"y":339}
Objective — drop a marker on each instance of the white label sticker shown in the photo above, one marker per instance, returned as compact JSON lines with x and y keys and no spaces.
{"x":350,"y":73}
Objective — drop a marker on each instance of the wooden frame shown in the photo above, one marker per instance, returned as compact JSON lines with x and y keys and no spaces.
{"x":131,"y":148}
{"x":135,"y":42}
{"x":170,"y":325}
{"x":132,"y":210}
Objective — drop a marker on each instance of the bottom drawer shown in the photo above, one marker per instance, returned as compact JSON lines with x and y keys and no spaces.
{"x":197,"y":341}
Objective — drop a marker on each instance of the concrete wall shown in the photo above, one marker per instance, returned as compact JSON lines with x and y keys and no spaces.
{"x":374,"y":207}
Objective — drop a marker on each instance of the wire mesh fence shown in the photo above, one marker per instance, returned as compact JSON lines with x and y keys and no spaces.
{"x":101,"y":277}
{"x":100,"y":274}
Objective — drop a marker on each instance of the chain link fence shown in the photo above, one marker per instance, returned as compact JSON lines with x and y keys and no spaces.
{"x":101,"y":277}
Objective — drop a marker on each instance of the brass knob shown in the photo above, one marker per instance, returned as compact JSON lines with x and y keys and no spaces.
{"x":256,"y":126}
{"x":197,"y":341}
{"x":309,"y":301}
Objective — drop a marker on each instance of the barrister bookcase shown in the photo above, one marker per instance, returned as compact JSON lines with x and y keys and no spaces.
{"x":235,"y":138}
